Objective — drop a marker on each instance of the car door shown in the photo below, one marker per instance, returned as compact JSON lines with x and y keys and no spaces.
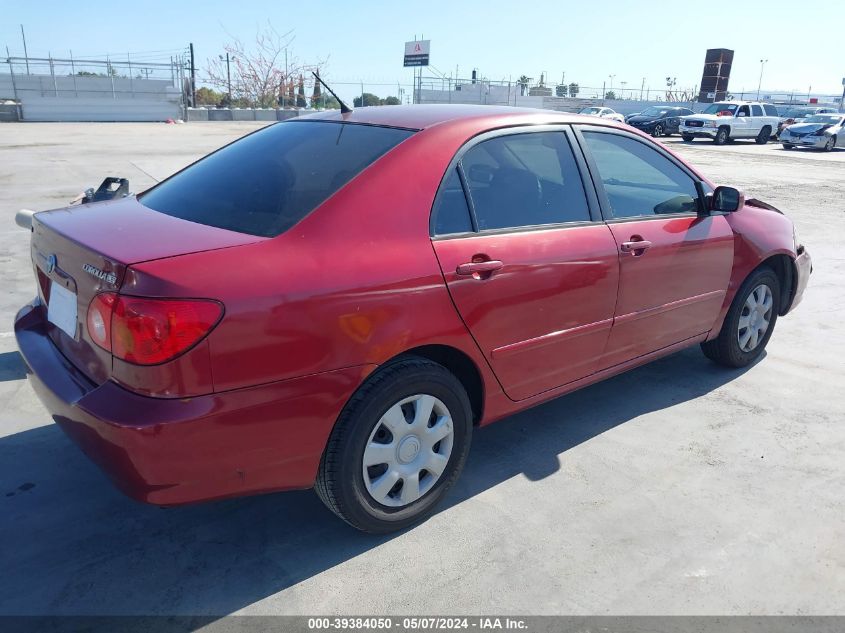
{"x":528,"y":262}
{"x":674,"y":263}
{"x":741,"y":127}
{"x":758,"y":120}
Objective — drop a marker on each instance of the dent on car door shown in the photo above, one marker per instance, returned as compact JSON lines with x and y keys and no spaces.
{"x":531,"y":272}
{"x":675,"y":264}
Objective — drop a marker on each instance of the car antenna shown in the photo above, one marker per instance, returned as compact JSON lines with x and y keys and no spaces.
{"x":344,"y":109}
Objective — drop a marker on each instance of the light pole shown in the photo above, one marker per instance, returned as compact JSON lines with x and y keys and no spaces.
{"x":611,"y":82}
{"x":228,"y":77}
{"x":760,"y":83}
{"x":624,"y":83}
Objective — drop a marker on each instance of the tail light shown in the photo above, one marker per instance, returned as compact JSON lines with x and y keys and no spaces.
{"x":149,"y":331}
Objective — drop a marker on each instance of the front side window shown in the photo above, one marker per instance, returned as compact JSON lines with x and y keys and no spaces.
{"x":639,"y":180}
{"x":268,"y":181}
{"x":743,"y":111}
{"x":524,"y":180}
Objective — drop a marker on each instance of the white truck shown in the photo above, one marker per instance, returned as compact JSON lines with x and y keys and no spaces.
{"x":728,"y":120}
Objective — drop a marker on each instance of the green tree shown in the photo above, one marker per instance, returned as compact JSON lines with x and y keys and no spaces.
{"x":392,"y":101}
{"x":300,"y":93}
{"x":316,"y":95}
{"x":610,"y":94}
{"x":574,"y":89}
{"x":522,"y":82}
{"x":369,"y":100}
{"x":209,"y":97}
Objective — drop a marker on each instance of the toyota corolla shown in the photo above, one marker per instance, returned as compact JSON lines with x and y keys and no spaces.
{"x":338,"y":300}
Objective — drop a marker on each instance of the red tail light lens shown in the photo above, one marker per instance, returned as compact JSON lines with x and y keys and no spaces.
{"x":149,"y":331}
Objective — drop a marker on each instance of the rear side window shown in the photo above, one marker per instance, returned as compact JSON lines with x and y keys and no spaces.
{"x":451,"y":213}
{"x":770,"y":110}
{"x":268,"y":181}
{"x":524,"y":180}
{"x":756,"y":110}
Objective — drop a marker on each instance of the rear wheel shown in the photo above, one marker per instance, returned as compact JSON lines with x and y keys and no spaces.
{"x":749,"y":322}
{"x":657,"y":131}
{"x":787,"y":145}
{"x":763,"y":136}
{"x":687,"y":138}
{"x":397,"y":448}
{"x":721,"y":136}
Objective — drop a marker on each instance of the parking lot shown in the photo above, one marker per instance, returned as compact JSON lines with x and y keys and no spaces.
{"x":677,"y":488}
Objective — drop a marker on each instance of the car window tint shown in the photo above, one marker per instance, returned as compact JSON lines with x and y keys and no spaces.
{"x":451,"y":213}
{"x":524,"y":180}
{"x":756,"y":110}
{"x":770,"y":110}
{"x":638,"y":180}
{"x":268,"y":181}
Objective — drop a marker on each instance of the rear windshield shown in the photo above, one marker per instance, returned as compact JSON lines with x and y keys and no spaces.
{"x":268,"y":181}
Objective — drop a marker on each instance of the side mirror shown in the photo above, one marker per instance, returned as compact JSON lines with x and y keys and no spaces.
{"x":726,"y":199}
{"x":741,"y":114}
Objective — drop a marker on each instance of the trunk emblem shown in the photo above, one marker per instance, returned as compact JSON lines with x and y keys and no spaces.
{"x":109,"y":278}
{"x":51,"y":263}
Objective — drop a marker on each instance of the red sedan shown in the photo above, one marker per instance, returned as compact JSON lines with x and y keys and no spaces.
{"x":336,"y":301}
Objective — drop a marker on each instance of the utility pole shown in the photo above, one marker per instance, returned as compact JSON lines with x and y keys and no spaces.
{"x":842,"y":98}
{"x":641,"y":89}
{"x":193,"y":79}
{"x":25,"y":54}
{"x":760,"y":83}
{"x":611,"y":82}
{"x":229,"y":79}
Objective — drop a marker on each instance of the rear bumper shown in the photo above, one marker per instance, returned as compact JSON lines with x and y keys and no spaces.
{"x":174,"y":451}
{"x":803,"y":270}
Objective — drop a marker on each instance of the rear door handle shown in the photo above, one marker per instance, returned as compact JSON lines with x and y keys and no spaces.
{"x":632,"y":247}
{"x":470,"y":268}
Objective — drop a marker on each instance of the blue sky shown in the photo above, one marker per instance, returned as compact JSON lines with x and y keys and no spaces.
{"x":589,"y":40}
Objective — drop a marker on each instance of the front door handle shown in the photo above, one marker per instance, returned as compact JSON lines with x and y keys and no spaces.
{"x":473,"y":268}
{"x":636,"y":247}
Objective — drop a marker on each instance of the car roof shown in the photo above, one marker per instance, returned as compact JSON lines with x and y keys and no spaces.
{"x":420,"y":117}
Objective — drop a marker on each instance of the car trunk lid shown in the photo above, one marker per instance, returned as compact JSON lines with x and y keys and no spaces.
{"x":78,"y":252}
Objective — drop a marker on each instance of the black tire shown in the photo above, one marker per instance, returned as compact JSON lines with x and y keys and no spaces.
{"x":687,"y":138}
{"x":657,"y":132}
{"x":725,"y":348}
{"x":787,"y":145}
{"x":340,"y":479}
{"x":831,"y":143}
{"x":763,"y":136}
{"x":722,"y":136}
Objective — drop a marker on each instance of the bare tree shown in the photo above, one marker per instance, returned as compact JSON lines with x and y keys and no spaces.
{"x":260,"y":74}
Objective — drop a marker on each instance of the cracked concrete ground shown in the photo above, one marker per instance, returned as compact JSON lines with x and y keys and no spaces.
{"x":678,"y":488}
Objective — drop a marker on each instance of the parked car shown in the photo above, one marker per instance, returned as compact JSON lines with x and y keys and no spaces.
{"x":797,"y":114}
{"x":604,"y":113}
{"x":822,"y":131}
{"x":338,"y":300}
{"x":728,"y":120}
{"x":658,"y":120}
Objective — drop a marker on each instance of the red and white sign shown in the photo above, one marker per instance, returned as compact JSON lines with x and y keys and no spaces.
{"x":417,"y":52}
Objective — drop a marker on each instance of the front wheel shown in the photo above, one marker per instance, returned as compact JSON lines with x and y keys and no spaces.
{"x":397,"y":448}
{"x":749,"y":322}
{"x":721,"y":136}
{"x":787,"y":145}
{"x":687,"y":138}
{"x":831,"y":143}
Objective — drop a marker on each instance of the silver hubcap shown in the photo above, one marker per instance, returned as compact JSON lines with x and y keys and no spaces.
{"x":754,"y":318}
{"x":408,"y":450}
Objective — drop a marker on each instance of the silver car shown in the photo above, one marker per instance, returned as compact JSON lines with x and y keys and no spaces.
{"x":822,"y":131}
